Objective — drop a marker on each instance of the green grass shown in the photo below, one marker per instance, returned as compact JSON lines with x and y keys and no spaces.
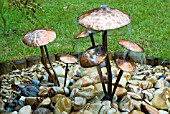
{"x":150,"y":27}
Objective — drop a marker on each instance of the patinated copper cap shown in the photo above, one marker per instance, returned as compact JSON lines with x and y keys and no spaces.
{"x":68,"y":59}
{"x":39,"y":37}
{"x":83,"y":34}
{"x":131,"y":45}
{"x":125,"y":65}
{"x":104,"y":18}
{"x":93,"y":56}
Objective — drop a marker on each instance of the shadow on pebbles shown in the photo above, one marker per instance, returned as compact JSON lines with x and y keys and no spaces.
{"x":30,"y":91}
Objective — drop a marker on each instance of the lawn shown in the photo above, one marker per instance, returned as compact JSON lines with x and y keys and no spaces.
{"x":150,"y":27}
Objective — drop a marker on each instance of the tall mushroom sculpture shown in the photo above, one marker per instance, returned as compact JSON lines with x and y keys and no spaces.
{"x":40,"y":38}
{"x":103,"y":19}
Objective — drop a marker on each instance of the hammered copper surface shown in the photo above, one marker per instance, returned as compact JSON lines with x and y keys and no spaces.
{"x":93,"y":56}
{"x":104,"y":18}
{"x":68,"y":59}
{"x":125,"y":65}
{"x":39,"y":37}
{"x":131,"y":45}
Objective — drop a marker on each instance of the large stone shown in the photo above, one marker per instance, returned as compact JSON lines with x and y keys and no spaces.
{"x":63,"y":105}
{"x":161,"y":99}
{"x":30,"y":91}
{"x":150,"y":109}
{"x":25,"y":110}
{"x":42,"y":110}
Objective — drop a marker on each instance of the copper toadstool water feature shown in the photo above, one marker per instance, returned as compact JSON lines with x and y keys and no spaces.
{"x":126,"y":64}
{"x":40,"y":38}
{"x":103,"y":19}
{"x":68,"y":59}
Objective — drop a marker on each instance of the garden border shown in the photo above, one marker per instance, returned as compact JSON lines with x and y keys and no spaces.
{"x":24,"y":63}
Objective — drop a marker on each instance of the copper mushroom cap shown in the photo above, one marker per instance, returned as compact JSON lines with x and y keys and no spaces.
{"x":125,"y":65}
{"x":93,"y":56}
{"x":83,"y":34}
{"x":39,"y":37}
{"x":131,"y":45}
{"x":68,"y":59}
{"x":104,"y":18}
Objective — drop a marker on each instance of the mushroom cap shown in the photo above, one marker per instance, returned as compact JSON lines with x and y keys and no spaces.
{"x":68,"y":59}
{"x":83,"y":34}
{"x":125,"y":65}
{"x":104,"y":18}
{"x":93,"y":56}
{"x":131,"y":45}
{"x":39,"y":37}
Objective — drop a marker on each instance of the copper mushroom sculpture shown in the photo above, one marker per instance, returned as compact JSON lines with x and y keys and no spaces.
{"x":126,"y":65}
{"x":68,"y":59}
{"x":94,"y":56}
{"x":103,"y":19}
{"x":40,"y":38}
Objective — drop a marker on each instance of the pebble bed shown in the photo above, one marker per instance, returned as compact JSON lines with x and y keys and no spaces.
{"x":30,"y":91}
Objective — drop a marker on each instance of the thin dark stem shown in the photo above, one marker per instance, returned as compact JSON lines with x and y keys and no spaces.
{"x":92,"y":39}
{"x":51,"y":65}
{"x":104,"y":37}
{"x":117,"y":82}
{"x":66,"y":74}
{"x":45,"y":65}
{"x":101,"y":79}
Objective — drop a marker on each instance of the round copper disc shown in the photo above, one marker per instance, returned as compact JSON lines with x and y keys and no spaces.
{"x":131,"y":45}
{"x":125,"y":65}
{"x":93,"y":56}
{"x":104,"y":18}
{"x":39,"y":37}
{"x":68,"y":59}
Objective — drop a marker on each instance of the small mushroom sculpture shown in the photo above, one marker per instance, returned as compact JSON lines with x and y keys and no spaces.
{"x":68,"y":59}
{"x":93,"y":57}
{"x":86,"y":33}
{"x":103,"y":19}
{"x":40,"y":38}
{"x":125,"y":64}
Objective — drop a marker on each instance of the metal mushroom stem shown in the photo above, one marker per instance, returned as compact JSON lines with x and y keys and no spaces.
{"x":40,"y":38}
{"x":68,"y":59}
{"x":93,"y":57}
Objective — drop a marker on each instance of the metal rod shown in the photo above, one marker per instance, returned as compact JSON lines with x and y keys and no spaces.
{"x":104,"y":37}
{"x":66,"y":74}
{"x":117,"y":82}
{"x":92,"y":39}
{"x":45,"y":65}
{"x":45,"y":47}
{"x":101,"y":79}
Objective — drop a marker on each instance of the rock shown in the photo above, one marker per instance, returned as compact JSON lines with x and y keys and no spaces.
{"x":134,"y":89}
{"x":152,"y":79}
{"x":29,"y":91}
{"x":42,"y":110}
{"x":148,"y":94}
{"x":145,"y":84}
{"x":126,"y":104}
{"x":61,"y":81}
{"x":25,"y":110}
{"x":149,"y":109}
{"x":139,"y":77}
{"x":160,"y":83}
{"x":134,"y":95}
{"x":31,"y":100}
{"x":60,"y":90}
{"x":60,"y":71}
{"x":161,"y":100}
{"x":163,"y":112}
{"x":57,"y":97}
{"x":46,"y":102}
{"x":134,"y":82}
{"x":79,"y":103}
{"x":63,"y":104}
{"x":122,"y":82}
{"x":136,"y":112}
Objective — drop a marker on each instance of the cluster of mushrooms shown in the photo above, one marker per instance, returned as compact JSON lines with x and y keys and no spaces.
{"x":95,"y":21}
